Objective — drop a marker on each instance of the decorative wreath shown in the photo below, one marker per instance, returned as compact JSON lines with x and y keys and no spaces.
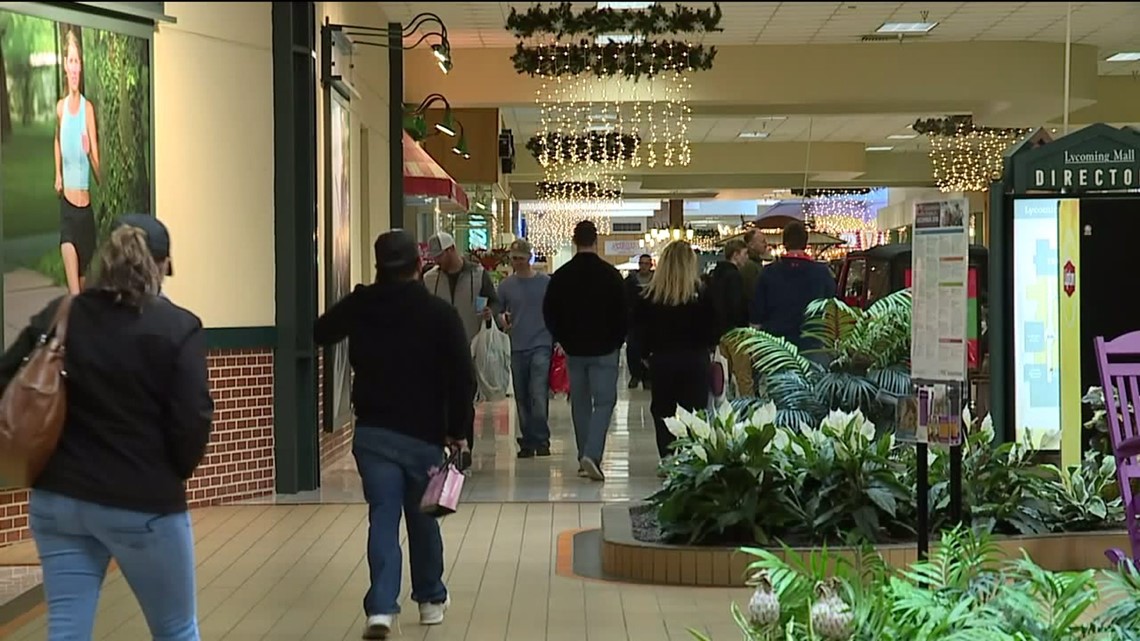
{"x":632,"y":60}
{"x":957,"y":126}
{"x":579,"y":190}
{"x":561,"y":20}
{"x":593,"y":147}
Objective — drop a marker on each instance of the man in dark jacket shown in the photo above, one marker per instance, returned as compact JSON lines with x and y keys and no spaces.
{"x":586,"y":312}
{"x":634,"y":353}
{"x":412,"y":394}
{"x":726,"y":290}
{"x":786,"y":287}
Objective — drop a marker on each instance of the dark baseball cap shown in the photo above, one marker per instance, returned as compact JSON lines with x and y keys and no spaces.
{"x":395,"y":250}
{"x":157,"y":236}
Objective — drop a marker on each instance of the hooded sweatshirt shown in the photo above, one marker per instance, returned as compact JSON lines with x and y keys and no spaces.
{"x":410,"y":357}
{"x":783,"y":291}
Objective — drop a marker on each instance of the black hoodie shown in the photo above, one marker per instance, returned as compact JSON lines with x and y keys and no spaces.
{"x":410,"y":359}
{"x":783,"y":292}
{"x":726,"y":292}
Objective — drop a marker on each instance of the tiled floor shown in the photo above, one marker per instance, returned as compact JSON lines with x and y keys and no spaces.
{"x":298,"y":572}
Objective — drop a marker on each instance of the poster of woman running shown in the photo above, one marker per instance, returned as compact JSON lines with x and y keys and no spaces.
{"x":75,"y":149}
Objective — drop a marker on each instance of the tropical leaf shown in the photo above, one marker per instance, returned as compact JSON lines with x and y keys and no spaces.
{"x":769,"y":354}
{"x":831,"y":322}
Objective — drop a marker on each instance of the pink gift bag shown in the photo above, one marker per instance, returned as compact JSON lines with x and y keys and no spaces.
{"x":445,"y":483}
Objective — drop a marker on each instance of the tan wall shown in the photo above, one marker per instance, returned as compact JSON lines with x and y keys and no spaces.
{"x":369,"y":130}
{"x":213,"y":106}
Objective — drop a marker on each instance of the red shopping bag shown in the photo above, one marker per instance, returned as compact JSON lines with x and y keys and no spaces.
{"x":559,"y":376}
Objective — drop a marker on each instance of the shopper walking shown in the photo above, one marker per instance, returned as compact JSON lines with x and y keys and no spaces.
{"x":468,"y":288}
{"x":586,"y":312}
{"x":786,"y":287}
{"x":412,"y":390}
{"x":634,"y":349}
{"x":521,"y":296}
{"x":726,"y":292}
{"x":680,"y":328}
{"x":137,"y":423}
{"x":750,"y":270}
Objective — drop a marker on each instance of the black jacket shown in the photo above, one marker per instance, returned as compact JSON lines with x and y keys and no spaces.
{"x":139,"y":409}
{"x":585,"y":307}
{"x":410,"y":358}
{"x":784,"y":290}
{"x":676,"y":329}
{"x":726,"y":294}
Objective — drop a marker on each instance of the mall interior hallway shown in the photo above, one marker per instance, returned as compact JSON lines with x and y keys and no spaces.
{"x":294,"y":568}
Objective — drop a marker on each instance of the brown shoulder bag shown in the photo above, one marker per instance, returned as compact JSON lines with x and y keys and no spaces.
{"x":33,"y":407}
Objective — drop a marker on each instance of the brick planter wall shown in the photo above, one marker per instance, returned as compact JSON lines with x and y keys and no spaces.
{"x":239,"y":460}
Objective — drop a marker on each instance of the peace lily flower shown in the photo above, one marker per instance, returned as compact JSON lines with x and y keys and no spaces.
{"x":763,"y":416}
{"x":866,"y":428}
{"x":701,"y":453}
{"x":676,"y":427}
{"x":724,"y":413}
{"x":780,"y":441}
{"x":988,"y":429}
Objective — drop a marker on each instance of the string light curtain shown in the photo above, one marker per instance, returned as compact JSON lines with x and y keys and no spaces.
{"x":965,"y":156}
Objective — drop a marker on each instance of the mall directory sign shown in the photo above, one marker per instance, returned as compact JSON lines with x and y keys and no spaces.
{"x":75,"y":150}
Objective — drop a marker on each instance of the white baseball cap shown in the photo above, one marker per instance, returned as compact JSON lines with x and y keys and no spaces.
{"x":440,"y":243}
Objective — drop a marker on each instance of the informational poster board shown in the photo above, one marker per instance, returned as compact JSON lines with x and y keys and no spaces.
{"x":940,"y":262}
{"x":939,"y":323}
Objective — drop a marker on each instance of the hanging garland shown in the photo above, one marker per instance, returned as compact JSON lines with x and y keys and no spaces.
{"x":568,"y":190}
{"x":561,"y":20}
{"x":593,"y":147}
{"x":634,"y":61}
{"x":959,"y":125}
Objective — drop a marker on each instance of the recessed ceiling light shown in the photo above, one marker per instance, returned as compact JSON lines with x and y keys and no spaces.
{"x":618,"y":38}
{"x":625,"y":6}
{"x":902,"y":136}
{"x":880,"y":148}
{"x":906,"y":27}
{"x":771,"y":117}
{"x":1124,"y":56}
{"x":753,"y":135}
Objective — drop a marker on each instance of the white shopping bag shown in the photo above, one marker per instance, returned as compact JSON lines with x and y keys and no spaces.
{"x":491,"y":351}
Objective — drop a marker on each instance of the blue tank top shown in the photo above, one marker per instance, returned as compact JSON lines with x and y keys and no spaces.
{"x":76,"y":164}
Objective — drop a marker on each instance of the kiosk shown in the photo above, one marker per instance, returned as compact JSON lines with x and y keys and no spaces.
{"x":1064,"y":224}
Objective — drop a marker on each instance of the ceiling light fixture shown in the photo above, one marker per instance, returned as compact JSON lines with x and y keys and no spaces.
{"x":880,"y":148}
{"x":625,"y":6}
{"x":618,"y":38}
{"x":754,"y":135}
{"x":1124,"y":56}
{"x":902,"y":136}
{"x":771,"y":117}
{"x":906,"y":27}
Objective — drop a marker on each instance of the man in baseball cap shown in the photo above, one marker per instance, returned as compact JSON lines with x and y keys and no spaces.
{"x":411,"y":393}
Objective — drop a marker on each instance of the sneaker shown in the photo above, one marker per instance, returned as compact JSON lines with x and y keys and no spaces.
{"x":581,"y":472}
{"x":591,"y":469}
{"x":633,"y":383}
{"x":432,"y":613}
{"x":543,"y":451}
{"x":526,"y":452}
{"x":378,"y":626}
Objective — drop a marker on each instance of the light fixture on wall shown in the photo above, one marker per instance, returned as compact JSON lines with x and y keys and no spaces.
{"x":336,"y":37}
{"x":415,"y":122}
{"x":460,"y":147}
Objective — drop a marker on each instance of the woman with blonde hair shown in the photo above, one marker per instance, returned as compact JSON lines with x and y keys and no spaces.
{"x":679,"y":326}
{"x":137,"y":424}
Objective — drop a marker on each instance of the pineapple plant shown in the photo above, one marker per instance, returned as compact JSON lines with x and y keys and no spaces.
{"x":831,"y":616}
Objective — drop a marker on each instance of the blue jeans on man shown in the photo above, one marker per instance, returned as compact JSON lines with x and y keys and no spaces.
{"x":593,"y":395}
{"x":155,"y":552}
{"x":394,"y":471}
{"x":530,"y":370}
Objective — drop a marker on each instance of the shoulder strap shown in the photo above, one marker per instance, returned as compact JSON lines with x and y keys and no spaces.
{"x":58,"y":329}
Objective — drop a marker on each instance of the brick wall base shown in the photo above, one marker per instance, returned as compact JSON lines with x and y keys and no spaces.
{"x":333,"y":445}
{"x":239,"y":461}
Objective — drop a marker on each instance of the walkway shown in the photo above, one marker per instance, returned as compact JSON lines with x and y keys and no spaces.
{"x":297,"y":571}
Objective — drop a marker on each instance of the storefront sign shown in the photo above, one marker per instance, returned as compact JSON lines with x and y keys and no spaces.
{"x":1070,"y":278}
{"x":628,"y":248}
{"x":1097,"y":158}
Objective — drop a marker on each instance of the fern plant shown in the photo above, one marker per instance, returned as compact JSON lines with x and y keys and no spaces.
{"x":861,"y":361}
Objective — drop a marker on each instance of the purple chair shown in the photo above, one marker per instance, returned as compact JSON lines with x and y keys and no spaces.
{"x":1119,"y":363}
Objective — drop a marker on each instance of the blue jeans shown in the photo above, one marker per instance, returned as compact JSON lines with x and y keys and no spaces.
{"x":155,"y":552}
{"x":593,"y":395}
{"x":531,"y":372}
{"x":394,"y":472}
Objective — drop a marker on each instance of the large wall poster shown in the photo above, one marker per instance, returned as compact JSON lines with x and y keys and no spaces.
{"x":75,"y":129}
{"x":338,"y":374}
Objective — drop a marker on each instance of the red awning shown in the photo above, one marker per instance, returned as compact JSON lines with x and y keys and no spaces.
{"x":424,"y":177}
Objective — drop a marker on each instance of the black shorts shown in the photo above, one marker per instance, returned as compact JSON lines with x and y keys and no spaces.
{"x":77,"y":226}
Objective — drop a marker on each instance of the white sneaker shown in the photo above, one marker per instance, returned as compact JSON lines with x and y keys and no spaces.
{"x":378,"y":626}
{"x":432,"y":613}
{"x":593,"y":472}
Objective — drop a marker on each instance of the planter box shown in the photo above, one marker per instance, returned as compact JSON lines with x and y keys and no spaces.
{"x":626,"y":558}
